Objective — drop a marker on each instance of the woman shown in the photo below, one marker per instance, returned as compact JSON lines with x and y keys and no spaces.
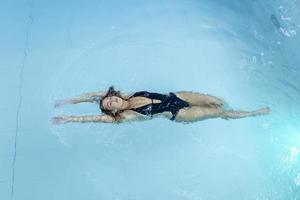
{"x":180,"y":107}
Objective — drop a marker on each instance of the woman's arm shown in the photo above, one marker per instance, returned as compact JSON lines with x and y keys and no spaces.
{"x":129,"y":115}
{"x":83,"y":119}
{"x":86,"y":97}
{"x":125,"y":116}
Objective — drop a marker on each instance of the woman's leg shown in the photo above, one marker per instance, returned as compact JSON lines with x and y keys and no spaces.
{"x":231,"y":114}
{"x":198,"y":99}
{"x":197,"y":113}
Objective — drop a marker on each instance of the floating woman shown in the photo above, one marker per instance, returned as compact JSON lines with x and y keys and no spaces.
{"x":180,"y":106}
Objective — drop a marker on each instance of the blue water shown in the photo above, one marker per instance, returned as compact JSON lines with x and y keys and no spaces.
{"x":246,"y":52}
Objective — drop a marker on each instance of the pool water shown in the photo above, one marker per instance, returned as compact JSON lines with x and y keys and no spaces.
{"x":246,"y":52}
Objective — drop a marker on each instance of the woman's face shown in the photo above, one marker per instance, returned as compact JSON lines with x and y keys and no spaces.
{"x":112,"y":103}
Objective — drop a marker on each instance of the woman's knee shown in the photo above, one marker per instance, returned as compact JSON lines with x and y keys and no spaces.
{"x":190,"y":114}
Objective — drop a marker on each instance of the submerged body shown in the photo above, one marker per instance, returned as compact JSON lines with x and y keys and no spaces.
{"x":143,"y":105}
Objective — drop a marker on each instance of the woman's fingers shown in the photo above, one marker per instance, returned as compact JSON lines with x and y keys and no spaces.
{"x":60,"y":103}
{"x":59,"y":120}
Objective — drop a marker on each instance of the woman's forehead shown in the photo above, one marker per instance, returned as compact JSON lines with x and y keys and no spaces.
{"x":105,"y":102}
{"x":107,"y":98}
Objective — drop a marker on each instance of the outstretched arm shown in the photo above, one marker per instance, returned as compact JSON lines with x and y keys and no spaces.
{"x":86,"y":97}
{"x":83,"y":119}
{"x":125,"y":116}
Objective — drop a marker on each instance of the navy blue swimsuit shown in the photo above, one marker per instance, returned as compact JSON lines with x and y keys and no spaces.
{"x":169,"y":103}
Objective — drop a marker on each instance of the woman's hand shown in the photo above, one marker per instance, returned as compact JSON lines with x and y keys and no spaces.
{"x":59,"y":120}
{"x":60,"y":103}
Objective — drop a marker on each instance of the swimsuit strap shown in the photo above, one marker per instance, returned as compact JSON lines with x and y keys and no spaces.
{"x":151,"y":105}
{"x":143,"y":94}
{"x":173,"y":117}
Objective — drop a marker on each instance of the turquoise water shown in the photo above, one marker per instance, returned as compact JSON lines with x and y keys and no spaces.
{"x":246,"y":52}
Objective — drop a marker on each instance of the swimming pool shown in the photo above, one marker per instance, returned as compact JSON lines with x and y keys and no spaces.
{"x":245,"y":52}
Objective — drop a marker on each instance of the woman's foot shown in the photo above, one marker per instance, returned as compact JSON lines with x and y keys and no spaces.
{"x":262,"y":111}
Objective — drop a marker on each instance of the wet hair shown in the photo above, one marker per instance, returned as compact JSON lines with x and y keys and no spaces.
{"x":111,"y":92}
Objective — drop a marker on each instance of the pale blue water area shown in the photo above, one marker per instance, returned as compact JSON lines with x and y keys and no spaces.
{"x":246,"y":52}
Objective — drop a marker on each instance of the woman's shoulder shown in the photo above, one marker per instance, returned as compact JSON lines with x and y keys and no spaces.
{"x":140,"y":93}
{"x":126,"y":95}
{"x":151,"y":95}
{"x":130,"y":115}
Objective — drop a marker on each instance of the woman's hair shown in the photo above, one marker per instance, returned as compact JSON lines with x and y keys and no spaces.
{"x":111,"y":92}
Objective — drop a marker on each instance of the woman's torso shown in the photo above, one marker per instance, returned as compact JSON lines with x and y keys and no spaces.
{"x":149,"y":104}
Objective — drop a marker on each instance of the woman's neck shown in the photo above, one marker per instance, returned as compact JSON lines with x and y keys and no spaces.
{"x":126,"y":105}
